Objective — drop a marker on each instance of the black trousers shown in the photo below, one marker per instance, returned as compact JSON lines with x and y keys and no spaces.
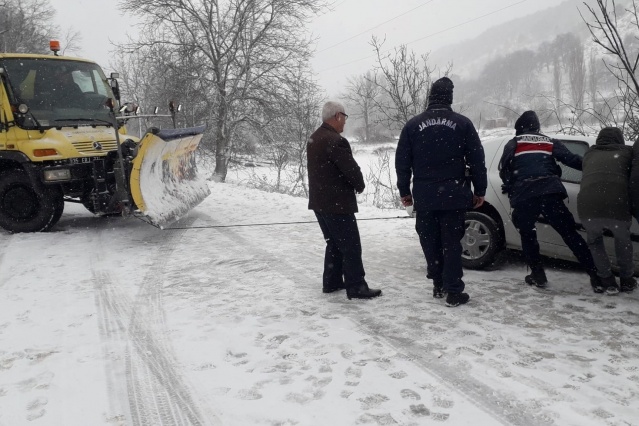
{"x":440,"y":233}
{"x":343,"y":257}
{"x":554,"y":210}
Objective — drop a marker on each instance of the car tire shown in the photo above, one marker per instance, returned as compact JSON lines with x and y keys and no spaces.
{"x":482,"y":240}
{"x":25,"y":208}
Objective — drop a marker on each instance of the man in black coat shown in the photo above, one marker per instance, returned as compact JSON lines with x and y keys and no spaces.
{"x":604,"y":203}
{"x":333,"y":179}
{"x":441,"y":151}
{"x":532,"y":179}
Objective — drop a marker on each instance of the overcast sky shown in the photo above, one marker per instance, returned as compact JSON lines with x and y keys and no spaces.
{"x":343,"y":33}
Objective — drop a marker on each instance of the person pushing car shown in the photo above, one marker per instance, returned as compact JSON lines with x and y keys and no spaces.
{"x":532,"y":179}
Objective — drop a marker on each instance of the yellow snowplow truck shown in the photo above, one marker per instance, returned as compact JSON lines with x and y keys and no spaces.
{"x":63,"y":139}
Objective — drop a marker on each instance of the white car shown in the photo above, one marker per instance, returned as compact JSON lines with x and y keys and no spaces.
{"x":490,"y":229}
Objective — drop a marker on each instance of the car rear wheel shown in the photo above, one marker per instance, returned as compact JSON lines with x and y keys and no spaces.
{"x":25,"y":208}
{"x":482,"y":241}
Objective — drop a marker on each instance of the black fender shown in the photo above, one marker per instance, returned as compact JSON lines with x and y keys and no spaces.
{"x":18,"y":160}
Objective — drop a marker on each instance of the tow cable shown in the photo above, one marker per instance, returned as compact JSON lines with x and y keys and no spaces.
{"x":260,"y":224}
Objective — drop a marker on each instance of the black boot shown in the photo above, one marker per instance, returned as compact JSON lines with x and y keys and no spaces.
{"x":597,"y":285}
{"x":456,"y":299}
{"x":362,"y":292}
{"x":627,"y":284}
{"x":610,"y":284}
{"x":537,"y":277}
{"x":331,"y":289}
{"x":438,"y":289}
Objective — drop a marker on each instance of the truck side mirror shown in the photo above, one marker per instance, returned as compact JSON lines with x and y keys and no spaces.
{"x":115,"y":87}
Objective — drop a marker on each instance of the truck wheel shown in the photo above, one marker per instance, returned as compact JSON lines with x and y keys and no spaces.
{"x":482,"y":241}
{"x":24,"y":208}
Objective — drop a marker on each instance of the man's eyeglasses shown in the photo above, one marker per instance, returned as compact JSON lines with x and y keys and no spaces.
{"x":345,"y":115}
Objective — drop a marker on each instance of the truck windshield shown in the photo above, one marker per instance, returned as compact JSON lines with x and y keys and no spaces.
{"x":58,"y":92}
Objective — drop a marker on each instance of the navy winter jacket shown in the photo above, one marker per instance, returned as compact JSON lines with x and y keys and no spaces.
{"x":441,"y":151}
{"x":528,"y":168}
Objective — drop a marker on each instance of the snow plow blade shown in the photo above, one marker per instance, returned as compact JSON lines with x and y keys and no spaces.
{"x":164,"y":180}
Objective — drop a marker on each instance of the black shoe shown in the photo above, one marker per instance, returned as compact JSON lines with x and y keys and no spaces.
{"x":362,"y":292}
{"x":537,"y":278}
{"x":596,"y":284}
{"x":438,"y":288}
{"x":612,"y":290}
{"x":610,"y":284}
{"x":627,"y":284}
{"x":456,"y":299}
{"x":333,"y":289}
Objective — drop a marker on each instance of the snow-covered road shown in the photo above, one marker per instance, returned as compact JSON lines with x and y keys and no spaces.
{"x":109,"y":321}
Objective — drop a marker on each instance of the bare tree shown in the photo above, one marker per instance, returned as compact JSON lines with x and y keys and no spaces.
{"x":242,"y":47}
{"x":26,"y":26}
{"x":151,"y":77}
{"x":404,"y":81}
{"x":71,"y":40}
{"x":363,"y":93}
{"x":304,"y":101}
{"x":604,"y":23}
{"x":576,"y":66}
{"x":593,"y":78}
{"x":284,"y":139}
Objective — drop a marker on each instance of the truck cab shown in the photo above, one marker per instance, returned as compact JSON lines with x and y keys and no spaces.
{"x":56,"y":127}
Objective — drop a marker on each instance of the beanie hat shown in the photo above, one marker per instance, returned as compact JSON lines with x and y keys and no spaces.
{"x":610,"y":136}
{"x":441,"y":92}
{"x":527,"y":122}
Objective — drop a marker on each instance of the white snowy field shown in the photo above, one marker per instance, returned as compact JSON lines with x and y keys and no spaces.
{"x":110,"y":321}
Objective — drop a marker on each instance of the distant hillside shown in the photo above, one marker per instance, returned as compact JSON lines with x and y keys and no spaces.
{"x":470,"y":56}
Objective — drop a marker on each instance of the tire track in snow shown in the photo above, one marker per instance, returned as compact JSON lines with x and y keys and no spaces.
{"x":154,"y":392}
{"x":4,"y":248}
{"x":491,"y":401}
{"x":112,"y":314}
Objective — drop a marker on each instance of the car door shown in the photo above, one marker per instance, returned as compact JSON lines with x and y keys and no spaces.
{"x":494,"y":195}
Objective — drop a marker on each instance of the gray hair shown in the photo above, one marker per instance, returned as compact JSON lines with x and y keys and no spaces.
{"x":330,"y":109}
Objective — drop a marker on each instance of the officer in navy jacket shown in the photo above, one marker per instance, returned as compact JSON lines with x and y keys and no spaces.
{"x":441,"y":151}
{"x":532,"y":179}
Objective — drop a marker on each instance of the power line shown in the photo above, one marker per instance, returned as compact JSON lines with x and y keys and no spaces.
{"x":332,"y":7}
{"x":430,"y":35}
{"x":376,"y":26}
{"x":467,"y":22}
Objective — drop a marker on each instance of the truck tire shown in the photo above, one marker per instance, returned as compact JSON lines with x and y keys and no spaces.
{"x":25,"y":208}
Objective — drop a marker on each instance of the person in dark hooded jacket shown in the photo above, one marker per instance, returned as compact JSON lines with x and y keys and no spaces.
{"x":604,"y":203}
{"x":441,"y":151}
{"x":532,"y":179}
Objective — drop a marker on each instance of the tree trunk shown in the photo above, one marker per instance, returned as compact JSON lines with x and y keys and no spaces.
{"x":222,"y":148}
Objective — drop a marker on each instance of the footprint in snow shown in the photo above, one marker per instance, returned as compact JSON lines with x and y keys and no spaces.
{"x":410,"y":394}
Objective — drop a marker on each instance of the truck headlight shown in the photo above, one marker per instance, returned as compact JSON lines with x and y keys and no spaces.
{"x":57,"y":174}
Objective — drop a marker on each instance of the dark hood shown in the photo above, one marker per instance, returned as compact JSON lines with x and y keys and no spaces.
{"x":610,"y":136}
{"x":528,"y":122}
